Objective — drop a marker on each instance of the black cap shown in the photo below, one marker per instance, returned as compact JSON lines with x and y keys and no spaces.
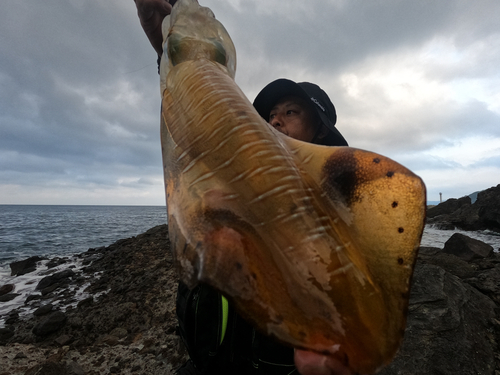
{"x":312,"y":93}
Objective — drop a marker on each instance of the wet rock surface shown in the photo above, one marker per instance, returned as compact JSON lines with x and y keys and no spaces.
{"x":483,"y":214}
{"x":453,"y":322}
{"x":7,"y":288}
{"x":125,"y":321}
{"x":24,"y":266}
{"x":467,"y":248}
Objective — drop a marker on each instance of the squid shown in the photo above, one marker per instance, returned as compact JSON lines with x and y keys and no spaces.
{"x":313,"y":245}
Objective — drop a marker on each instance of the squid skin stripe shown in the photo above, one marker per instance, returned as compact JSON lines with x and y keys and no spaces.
{"x":203,"y":177}
{"x":270,"y":193}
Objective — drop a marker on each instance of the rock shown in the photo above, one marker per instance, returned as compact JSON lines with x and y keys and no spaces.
{"x":43,"y":310}
{"x":484,"y":214}
{"x":488,"y":202}
{"x":85,"y":302}
{"x":20,"y":355}
{"x":63,"y":340}
{"x":47,"y":368}
{"x":7,"y":288}
{"x":5,"y":334}
{"x":12,"y":317}
{"x":444,"y":226}
{"x":119,"y":332}
{"x":449,"y":329}
{"x":32,"y":297}
{"x":52,"y":323}
{"x":56,"y":262}
{"x":73,"y":368}
{"x":55,"y":278}
{"x":110,"y":340}
{"x":12,"y":320}
{"x":448,"y":207}
{"x":8,"y":297}
{"x":23,"y":267}
{"x":450,"y":263}
{"x":453,"y":322}
{"x":488,"y":282}
{"x":467,"y":248}
{"x":50,"y":289}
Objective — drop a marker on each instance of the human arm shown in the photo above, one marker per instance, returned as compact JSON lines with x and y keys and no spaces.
{"x":151,"y":14}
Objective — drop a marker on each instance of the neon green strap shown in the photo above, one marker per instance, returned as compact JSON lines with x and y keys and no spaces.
{"x":225,"y":313}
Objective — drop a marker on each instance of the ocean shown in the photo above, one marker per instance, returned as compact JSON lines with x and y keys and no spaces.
{"x":27,"y":230}
{"x":52,"y":231}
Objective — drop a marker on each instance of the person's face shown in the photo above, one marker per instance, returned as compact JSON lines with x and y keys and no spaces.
{"x":294,"y":117}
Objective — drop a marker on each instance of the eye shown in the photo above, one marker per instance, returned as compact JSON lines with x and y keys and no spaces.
{"x":271,"y":116}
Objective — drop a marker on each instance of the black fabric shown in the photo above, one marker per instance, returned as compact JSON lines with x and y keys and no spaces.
{"x":199,"y":314}
{"x":271,"y":357}
{"x":188,"y":368}
{"x":243,"y":351}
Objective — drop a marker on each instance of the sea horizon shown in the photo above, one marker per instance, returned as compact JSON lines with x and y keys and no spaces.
{"x":91,"y":205}
{"x":60,"y":230}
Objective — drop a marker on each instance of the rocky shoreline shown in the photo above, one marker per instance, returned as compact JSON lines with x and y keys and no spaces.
{"x":483,"y":214}
{"x":126,"y":325}
{"x":115,"y":313}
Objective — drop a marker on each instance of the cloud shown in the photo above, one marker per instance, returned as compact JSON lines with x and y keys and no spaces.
{"x":77,"y":107}
{"x":79,"y":103}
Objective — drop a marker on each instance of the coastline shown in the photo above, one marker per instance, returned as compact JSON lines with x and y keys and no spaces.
{"x":126,"y":325}
{"x":114,"y":313}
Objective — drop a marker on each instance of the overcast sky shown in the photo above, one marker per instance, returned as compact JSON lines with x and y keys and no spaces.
{"x":418,"y":81}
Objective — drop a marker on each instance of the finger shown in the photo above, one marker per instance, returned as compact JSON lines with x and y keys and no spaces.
{"x":166,"y":8}
{"x":148,"y":9}
{"x":310,"y":363}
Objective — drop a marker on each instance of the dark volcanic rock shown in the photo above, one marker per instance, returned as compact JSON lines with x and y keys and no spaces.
{"x":85,"y":302}
{"x":24,"y":266}
{"x":8,"y":297}
{"x":453,"y":322}
{"x":56,"y":262}
{"x":52,"y":323}
{"x":43,"y":310}
{"x":48,"y":368}
{"x":449,"y":329}
{"x":488,"y":205}
{"x":12,"y":317}
{"x":449,"y":262}
{"x":448,"y":207}
{"x":74,"y":368}
{"x":57,"y":277}
{"x":484,"y":214}
{"x":50,"y":289}
{"x":7,"y":288}
{"x":444,"y":226}
{"x":5,"y":334}
{"x":131,"y":300}
{"x":467,"y":248}
{"x":63,"y":340}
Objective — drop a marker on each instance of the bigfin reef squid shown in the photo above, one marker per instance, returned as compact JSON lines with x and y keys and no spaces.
{"x":313,"y":245}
